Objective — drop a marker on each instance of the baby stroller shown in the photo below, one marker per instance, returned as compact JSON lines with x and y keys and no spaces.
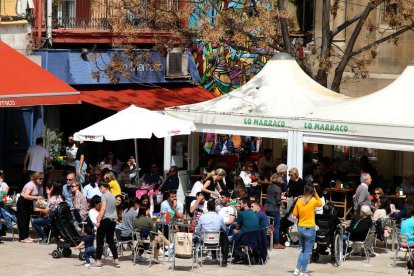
{"x":328,"y":236}
{"x":287,"y":226}
{"x":64,"y":231}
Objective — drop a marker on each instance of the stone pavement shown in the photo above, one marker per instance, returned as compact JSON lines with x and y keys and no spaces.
{"x":35,"y":259}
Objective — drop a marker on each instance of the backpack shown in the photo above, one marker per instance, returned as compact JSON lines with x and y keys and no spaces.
{"x":183,"y":245}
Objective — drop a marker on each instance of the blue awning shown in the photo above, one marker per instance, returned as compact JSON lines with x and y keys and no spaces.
{"x":77,"y":69}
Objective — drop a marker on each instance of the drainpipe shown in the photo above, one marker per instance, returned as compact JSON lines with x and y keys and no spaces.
{"x":49,"y":21}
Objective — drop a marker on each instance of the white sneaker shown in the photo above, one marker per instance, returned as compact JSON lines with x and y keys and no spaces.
{"x":304,"y":274}
{"x":296,"y":272}
{"x":87,"y":265}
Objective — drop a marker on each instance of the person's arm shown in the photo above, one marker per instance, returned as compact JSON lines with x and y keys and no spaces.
{"x":194,"y":206}
{"x":278,"y":194}
{"x":179,"y":212}
{"x":43,"y":211}
{"x":296,"y":211}
{"x":205,"y":186}
{"x":80,"y":245}
{"x":26,"y":158}
{"x":153,"y":227}
{"x":232,"y":219}
{"x":30,"y":197}
{"x":6,"y":189}
{"x":81,"y":160}
{"x":318,"y":202}
{"x":101,"y":213}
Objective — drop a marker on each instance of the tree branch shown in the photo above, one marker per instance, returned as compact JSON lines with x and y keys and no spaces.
{"x":344,"y":25}
{"x":379,"y":41}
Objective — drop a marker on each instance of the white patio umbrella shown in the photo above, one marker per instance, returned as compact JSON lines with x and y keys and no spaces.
{"x":134,"y":123}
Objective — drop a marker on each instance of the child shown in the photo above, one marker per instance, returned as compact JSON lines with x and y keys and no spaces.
{"x":87,"y":243}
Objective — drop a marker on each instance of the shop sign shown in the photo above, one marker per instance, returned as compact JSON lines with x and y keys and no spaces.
{"x":264,"y":122}
{"x":326,"y":127}
{"x":7,"y":103}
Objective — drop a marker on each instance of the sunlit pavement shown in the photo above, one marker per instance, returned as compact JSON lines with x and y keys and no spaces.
{"x":35,"y":259}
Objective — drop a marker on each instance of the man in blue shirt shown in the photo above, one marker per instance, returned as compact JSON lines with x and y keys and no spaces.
{"x":213,"y":222}
{"x":247,"y":221}
{"x":263,"y":219}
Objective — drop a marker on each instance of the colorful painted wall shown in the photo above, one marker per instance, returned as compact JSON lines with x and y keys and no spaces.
{"x":223,"y":69}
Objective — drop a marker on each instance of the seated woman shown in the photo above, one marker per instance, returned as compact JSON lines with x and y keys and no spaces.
{"x":239,"y":190}
{"x":114,"y":187}
{"x":249,"y":176}
{"x":360,"y":225}
{"x":119,"y":203}
{"x":126,"y":227}
{"x":54,"y":197}
{"x":144,"y":222}
{"x":407,"y":226}
{"x":80,"y":204}
{"x":380,"y":204}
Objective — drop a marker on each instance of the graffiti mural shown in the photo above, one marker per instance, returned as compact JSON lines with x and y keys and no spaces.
{"x":223,"y":69}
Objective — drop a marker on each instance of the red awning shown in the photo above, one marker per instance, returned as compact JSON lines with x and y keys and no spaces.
{"x":150,"y":98}
{"x":24,"y":83}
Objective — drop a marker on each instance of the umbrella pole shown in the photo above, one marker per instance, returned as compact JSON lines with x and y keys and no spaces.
{"x":136,"y":156}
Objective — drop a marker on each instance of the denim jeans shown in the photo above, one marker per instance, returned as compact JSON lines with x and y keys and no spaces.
{"x":276,"y":216}
{"x":39,"y":224}
{"x":306,"y":237}
{"x":89,"y":252}
{"x":81,"y":176}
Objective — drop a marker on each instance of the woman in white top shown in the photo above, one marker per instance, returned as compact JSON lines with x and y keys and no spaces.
{"x":95,"y":205}
{"x":249,"y":176}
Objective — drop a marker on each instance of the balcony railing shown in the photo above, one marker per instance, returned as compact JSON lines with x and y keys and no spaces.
{"x":97,"y":14}
{"x":95,"y":23}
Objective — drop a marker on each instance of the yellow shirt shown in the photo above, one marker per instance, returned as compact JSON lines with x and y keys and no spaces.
{"x":306,"y":212}
{"x":114,"y":187}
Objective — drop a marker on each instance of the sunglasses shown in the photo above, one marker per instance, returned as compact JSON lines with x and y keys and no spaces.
{"x":98,"y":174}
{"x":69,"y":179}
{"x":376,"y":193}
{"x":291,"y":174}
{"x":40,"y":178}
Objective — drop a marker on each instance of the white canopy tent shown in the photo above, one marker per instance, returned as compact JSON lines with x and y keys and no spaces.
{"x":269,"y":105}
{"x":133,"y":123}
{"x":382,"y":120}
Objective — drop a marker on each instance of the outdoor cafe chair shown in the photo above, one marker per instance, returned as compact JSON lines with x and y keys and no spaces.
{"x":211,"y":242}
{"x":403,"y":244}
{"x":367,"y":245}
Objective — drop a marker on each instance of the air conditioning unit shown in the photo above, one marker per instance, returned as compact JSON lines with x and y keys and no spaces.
{"x":177,"y":64}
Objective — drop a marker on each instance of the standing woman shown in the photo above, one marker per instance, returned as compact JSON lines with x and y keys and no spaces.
{"x":105,"y":224}
{"x":30,"y":193}
{"x":273,"y":200}
{"x":80,"y":162}
{"x":211,"y":186}
{"x":305,"y":212}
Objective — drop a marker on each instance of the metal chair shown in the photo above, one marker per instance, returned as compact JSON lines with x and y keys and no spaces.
{"x":121,"y":241}
{"x":403,"y":244}
{"x":367,"y":245}
{"x":211,"y":242}
{"x":143,"y":244}
{"x":269,"y":232}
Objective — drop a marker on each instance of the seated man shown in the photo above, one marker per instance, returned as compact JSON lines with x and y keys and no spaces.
{"x":212,"y":222}
{"x":143,"y":221}
{"x":227,"y":212}
{"x":172,"y":182}
{"x":360,"y":226}
{"x":247,"y":221}
{"x":198,"y":206}
{"x":263,"y":219}
{"x":172,"y":205}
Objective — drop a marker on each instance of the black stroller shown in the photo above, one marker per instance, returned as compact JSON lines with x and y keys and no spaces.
{"x":328,"y":236}
{"x":64,"y":231}
{"x":285,"y":225}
